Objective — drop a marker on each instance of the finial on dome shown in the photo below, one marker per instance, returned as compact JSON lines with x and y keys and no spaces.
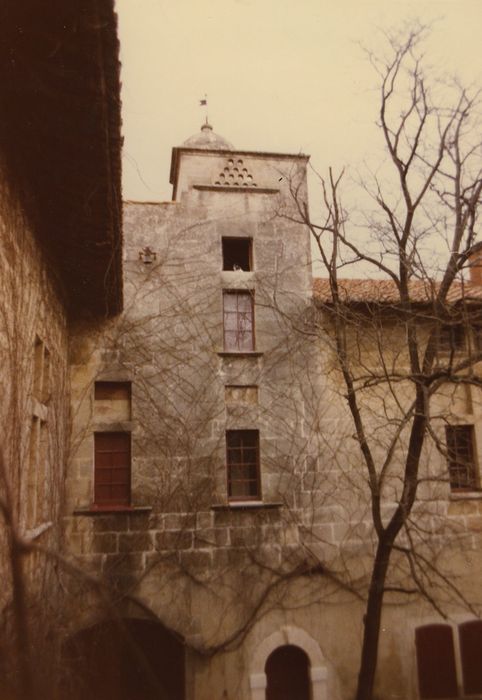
{"x":208,"y":140}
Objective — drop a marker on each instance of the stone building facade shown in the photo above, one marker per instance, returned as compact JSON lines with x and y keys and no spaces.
{"x":58,"y":150}
{"x":213,"y":486}
{"x":184,"y":511}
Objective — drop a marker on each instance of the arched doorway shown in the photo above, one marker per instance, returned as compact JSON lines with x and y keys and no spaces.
{"x":124,"y":660}
{"x":288,"y":674}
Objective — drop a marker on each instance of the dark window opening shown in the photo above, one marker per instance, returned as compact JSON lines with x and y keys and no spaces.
{"x":436,"y":662}
{"x":470,"y":634}
{"x":237,"y":254}
{"x":451,"y":339}
{"x":288,"y":674}
{"x":242,"y":450}
{"x":477,"y":335}
{"x":112,"y":482}
{"x":238,"y":316}
{"x":41,"y":378}
{"x":112,"y":391}
{"x":461,"y":457}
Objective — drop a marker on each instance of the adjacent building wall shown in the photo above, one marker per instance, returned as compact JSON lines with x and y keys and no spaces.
{"x":34,"y":416}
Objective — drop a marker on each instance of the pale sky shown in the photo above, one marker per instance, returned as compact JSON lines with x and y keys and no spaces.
{"x":280,"y":75}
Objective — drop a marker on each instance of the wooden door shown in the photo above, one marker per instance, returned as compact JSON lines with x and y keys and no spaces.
{"x":288,"y":674}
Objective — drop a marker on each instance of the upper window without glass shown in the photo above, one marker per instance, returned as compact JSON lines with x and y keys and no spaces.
{"x":237,"y":254}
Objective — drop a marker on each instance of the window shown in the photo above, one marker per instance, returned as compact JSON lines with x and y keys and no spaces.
{"x":235,"y":395}
{"x":242,"y":448}
{"x":32,"y":474}
{"x":437,"y":676}
{"x":477,"y":336}
{"x":112,"y":401}
{"x":238,"y":321}
{"x":112,"y":469}
{"x":237,"y":254}
{"x":38,"y":496}
{"x":41,"y":375}
{"x":461,"y":457}
{"x":470,"y":635}
{"x":451,"y":338}
{"x":437,"y":668}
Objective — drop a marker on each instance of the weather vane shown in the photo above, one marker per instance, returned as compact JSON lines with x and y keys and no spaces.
{"x":204,"y":103}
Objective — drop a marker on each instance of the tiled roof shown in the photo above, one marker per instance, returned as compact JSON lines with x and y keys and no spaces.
{"x":353,"y":291}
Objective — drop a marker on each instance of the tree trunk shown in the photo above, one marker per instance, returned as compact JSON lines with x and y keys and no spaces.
{"x":369,"y":658}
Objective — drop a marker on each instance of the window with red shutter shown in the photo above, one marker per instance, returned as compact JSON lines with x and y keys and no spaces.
{"x":437,"y":676}
{"x":470,"y":636}
{"x":112,"y":469}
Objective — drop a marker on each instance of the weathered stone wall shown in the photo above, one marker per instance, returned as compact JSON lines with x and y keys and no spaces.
{"x":227,"y":576}
{"x":34,"y":417}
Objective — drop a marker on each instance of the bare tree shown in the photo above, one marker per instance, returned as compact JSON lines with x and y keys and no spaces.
{"x":394,"y":341}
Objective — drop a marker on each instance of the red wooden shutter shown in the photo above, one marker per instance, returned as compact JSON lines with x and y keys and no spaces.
{"x":436,"y":661}
{"x":112,"y":469}
{"x":470,"y":635}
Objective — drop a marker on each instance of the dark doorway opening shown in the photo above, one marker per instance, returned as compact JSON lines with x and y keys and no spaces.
{"x":288,"y":674}
{"x":127,"y":660}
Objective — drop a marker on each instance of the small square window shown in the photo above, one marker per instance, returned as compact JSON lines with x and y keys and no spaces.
{"x":237,"y":254}
{"x":461,"y":457}
{"x":236,"y":395}
{"x":112,"y":401}
{"x":242,"y":454}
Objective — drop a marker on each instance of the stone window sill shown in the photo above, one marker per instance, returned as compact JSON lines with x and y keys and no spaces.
{"x":241,"y":353}
{"x":246,"y":505}
{"x":466,"y":495}
{"x":113,"y":510}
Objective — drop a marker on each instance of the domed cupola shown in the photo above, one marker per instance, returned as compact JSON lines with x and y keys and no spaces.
{"x":208,"y":140}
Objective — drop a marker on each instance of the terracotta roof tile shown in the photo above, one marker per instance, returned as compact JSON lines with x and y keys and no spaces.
{"x":385,"y":291}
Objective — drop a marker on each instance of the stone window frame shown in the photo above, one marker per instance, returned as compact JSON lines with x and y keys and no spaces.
{"x":451,"y":338}
{"x":226,"y":241}
{"x":38,"y":465}
{"x":256,"y":447}
{"x":112,"y":504}
{"x":41,"y":371}
{"x":235,"y":348}
{"x":296,"y":637}
{"x":456,"y":460}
